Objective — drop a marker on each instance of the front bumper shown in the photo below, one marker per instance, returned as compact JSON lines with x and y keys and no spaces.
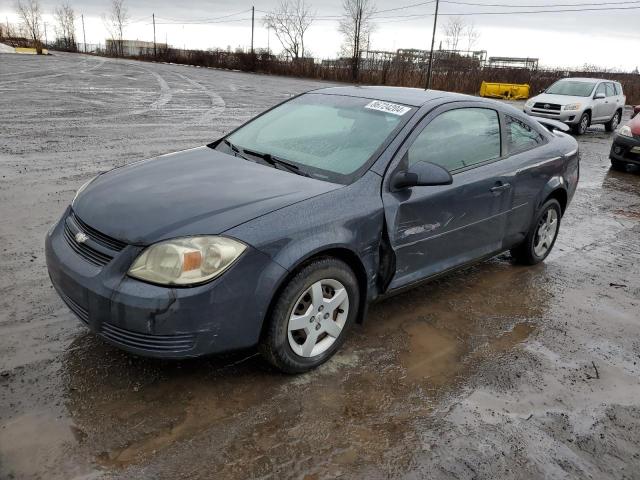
{"x":149,"y":320}
{"x":570,"y":117}
{"x":626,"y":149}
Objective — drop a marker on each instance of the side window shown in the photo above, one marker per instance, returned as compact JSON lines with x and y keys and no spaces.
{"x":618,"y":88}
{"x":521,"y":136}
{"x":610,"y":90}
{"x":601,"y":89}
{"x":458,"y":138}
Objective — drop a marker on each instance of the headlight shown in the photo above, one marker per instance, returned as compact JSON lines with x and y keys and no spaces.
{"x":84,"y":185}
{"x":625,"y":131}
{"x":530,"y":103}
{"x":186,"y":261}
{"x":572,"y":106}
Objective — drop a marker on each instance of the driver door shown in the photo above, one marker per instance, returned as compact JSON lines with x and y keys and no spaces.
{"x":435,"y":228}
{"x":600,"y":105}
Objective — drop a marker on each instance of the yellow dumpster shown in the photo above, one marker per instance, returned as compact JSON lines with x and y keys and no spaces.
{"x":30,"y":51}
{"x":509,"y":91}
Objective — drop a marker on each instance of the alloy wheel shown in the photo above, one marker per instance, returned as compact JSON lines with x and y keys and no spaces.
{"x":546,"y":232}
{"x":318,"y":317}
{"x":584,"y":123}
{"x":615,"y":121}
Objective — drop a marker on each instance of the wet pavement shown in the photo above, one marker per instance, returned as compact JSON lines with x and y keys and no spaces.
{"x":497,"y":371}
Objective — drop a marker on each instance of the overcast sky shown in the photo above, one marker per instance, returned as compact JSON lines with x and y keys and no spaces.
{"x":608,"y":38}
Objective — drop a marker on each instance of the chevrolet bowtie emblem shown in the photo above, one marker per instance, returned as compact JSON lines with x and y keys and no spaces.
{"x":81,"y":237}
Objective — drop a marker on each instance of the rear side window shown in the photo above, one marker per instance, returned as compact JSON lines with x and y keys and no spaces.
{"x":610,"y":90}
{"x":521,"y":136}
{"x":458,"y":139}
{"x":618,"y":88}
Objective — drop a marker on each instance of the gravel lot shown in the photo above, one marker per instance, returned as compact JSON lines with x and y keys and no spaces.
{"x":498,"y":371}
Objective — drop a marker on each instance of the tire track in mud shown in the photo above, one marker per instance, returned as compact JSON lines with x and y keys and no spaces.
{"x":65,"y":70}
{"x":218,"y":105}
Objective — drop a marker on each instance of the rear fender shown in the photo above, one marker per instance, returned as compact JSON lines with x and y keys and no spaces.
{"x":555,"y":183}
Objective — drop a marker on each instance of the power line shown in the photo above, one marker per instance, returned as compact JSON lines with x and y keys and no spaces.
{"x":400,"y":18}
{"x":206,"y":20}
{"x":511,"y":5}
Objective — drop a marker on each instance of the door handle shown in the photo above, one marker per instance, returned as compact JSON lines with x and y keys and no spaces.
{"x":500,"y":188}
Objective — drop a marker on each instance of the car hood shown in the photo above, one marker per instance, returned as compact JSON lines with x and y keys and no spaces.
{"x":560,"y":99}
{"x":194,"y":192}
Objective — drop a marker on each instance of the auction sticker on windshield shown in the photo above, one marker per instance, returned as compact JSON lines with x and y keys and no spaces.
{"x":387,"y":107}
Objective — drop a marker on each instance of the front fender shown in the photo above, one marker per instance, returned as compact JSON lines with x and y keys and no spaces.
{"x":348,"y":220}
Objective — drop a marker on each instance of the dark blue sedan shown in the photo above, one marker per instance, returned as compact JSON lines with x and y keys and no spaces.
{"x":282,"y":232}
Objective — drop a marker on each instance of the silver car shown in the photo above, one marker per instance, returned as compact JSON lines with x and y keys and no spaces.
{"x":580,"y":102}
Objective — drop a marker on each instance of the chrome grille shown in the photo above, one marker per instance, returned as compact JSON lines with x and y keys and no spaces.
{"x":547,"y":106}
{"x":98,"y":237}
{"x":90,"y":254}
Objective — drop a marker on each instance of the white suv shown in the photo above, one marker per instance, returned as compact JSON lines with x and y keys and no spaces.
{"x":580,"y":102}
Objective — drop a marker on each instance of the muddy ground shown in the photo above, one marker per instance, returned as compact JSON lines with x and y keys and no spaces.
{"x":499,"y":371}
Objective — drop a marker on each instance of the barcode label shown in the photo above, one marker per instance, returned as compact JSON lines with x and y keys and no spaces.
{"x":387,"y":107}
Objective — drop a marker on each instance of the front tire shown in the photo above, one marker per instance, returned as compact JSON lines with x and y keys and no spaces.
{"x":583,"y":124}
{"x":311,"y":316}
{"x":612,"y":124}
{"x":542,"y":236}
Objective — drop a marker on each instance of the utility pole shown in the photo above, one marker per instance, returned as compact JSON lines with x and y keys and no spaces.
{"x":46,"y":41}
{"x":253,"y":9}
{"x":84,"y":35}
{"x":268,"y":35}
{"x":155,"y":54}
{"x":433,"y":41}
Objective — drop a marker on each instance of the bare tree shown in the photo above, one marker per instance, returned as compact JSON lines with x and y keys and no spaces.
{"x":8,"y":30}
{"x":30,"y":13}
{"x":290,"y":21}
{"x":356,"y":26}
{"x":453,"y":30}
{"x":472,"y":35}
{"x":116,"y":21}
{"x":65,"y":27}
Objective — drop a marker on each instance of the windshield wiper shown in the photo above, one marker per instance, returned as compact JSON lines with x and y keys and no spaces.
{"x":234,"y":149}
{"x":275,"y":162}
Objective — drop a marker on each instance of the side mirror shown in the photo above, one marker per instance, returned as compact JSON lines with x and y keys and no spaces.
{"x":599,"y":96}
{"x":421,"y":174}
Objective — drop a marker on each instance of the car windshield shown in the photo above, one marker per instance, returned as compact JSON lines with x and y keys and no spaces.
{"x":330,"y":137}
{"x":572,"y":88}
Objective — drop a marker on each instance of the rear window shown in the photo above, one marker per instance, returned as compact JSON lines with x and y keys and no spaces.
{"x":521,"y":136}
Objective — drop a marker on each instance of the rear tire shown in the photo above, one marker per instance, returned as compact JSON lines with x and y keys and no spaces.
{"x":618,"y":165}
{"x":305,"y":328}
{"x":612,"y":124}
{"x":542,"y":235}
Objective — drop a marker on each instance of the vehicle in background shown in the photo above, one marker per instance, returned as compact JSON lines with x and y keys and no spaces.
{"x":626,"y":145}
{"x":282,"y":232}
{"x":580,"y":103}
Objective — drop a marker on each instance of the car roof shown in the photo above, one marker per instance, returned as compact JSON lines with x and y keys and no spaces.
{"x":414,"y":97}
{"x":587,"y":79}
